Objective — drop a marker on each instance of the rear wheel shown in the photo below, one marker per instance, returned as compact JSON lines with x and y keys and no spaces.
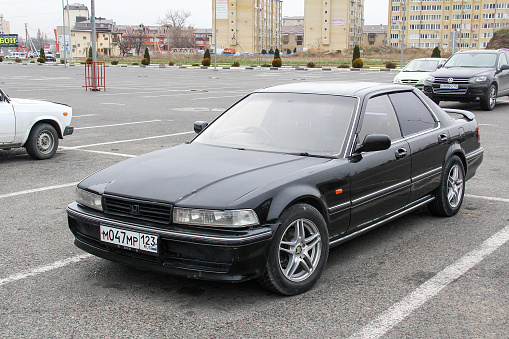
{"x":42,"y":143}
{"x":488,"y":103}
{"x":449,"y":195}
{"x":298,"y":251}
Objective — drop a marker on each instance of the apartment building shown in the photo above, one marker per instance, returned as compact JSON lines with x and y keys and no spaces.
{"x":439,"y":23}
{"x":105,"y":38}
{"x":248,"y":26}
{"x":333,"y":24}
{"x":374,"y":35}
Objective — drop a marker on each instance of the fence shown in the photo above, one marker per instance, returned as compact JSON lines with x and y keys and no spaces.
{"x":95,"y":76}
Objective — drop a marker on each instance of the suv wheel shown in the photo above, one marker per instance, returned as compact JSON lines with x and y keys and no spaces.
{"x":488,"y":103}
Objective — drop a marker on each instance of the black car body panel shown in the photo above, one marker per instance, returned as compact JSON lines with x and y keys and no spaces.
{"x":353,"y":191}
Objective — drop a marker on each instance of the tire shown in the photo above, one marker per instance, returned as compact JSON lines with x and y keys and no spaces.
{"x":298,"y":252}
{"x":488,"y":103}
{"x":42,"y":142}
{"x":449,"y":195}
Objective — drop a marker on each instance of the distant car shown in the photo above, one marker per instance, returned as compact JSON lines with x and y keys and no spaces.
{"x":272,"y":183}
{"x":417,"y":70}
{"x":33,"y":124}
{"x":50,"y":57}
{"x":471,"y":75}
{"x":16,"y":55}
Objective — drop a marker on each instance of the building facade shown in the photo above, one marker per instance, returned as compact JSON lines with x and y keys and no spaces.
{"x":440,"y":23}
{"x":202,"y":38}
{"x":248,"y":26}
{"x":106,"y":36}
{"x":374,"y":35}
{"x":73,"y":12}
{"x":292,"y":38}
{"x":333,"y":24}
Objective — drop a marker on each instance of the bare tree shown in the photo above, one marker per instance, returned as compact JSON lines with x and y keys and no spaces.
{"x":137,"y":39}
{"x":123,"y":43}
{"x":179,"y":36}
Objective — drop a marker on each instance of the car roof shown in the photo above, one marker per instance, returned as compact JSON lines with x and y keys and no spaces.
{"x":335,"y":88}
{"x":481,"y":51}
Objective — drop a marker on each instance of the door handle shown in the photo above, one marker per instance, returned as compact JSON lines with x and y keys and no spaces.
{"x":443,"y":138}
{"x":400,"y":153}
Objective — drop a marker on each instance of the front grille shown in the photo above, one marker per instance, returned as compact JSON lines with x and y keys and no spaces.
{"x":138,"y":209}
{"x":450,"y":91}
{"x":409,"y":81}
{"x":445,"y":80}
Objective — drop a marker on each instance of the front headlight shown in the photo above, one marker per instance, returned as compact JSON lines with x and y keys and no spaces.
{"x":474,"y":80}
{"x":89,"y":199}
{"x":215,"y":218}
{"x":430,"y":78}
{"x":396,"y":80}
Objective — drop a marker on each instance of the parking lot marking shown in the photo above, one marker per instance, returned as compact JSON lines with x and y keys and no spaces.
{"x":402,"y":309}
{"x":106,"y":153}
{"x":221,"y":97}
{"x":43,"y":269}
{"x":47,"y":188}
{"x":123,"y":124}
{"x":112,"y":103}
{"x":83,"y":116}
{"x":487,"y":198}
{"x":128,"y":140}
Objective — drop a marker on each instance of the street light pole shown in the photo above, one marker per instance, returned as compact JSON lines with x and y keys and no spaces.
{"x":403,"y":34}
{"x":63,"y":22}
{"x":215,"y":35}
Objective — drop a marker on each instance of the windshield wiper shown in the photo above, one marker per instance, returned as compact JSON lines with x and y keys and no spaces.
{"x":306,"y":154}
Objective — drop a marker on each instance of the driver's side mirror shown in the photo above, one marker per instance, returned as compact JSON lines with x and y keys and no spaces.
{"x":504,"y":68}
{"x":374,"y":142}
{"x":440,"y":66}
{"x":200,"y":126}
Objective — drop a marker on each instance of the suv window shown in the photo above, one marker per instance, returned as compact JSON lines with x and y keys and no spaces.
{"x":413,"y":115}
{"x":379,"y":118}
{"x":502,"y":60}
{"x":479,"y":60}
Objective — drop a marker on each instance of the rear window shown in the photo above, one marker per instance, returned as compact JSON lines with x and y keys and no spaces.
{"x":413,"y":115}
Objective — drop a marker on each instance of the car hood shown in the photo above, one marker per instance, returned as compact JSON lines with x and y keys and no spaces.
{"x":17,"y":101}
{"x":462,"y":72}
{"x":196,"y":175}
{"x":412,"y":75}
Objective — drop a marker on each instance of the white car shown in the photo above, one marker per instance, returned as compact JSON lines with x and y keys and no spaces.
{"x":33,"y":124}
{"x":417,"y":70}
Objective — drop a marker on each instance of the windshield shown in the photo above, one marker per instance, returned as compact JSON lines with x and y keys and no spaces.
{"x":478,"y":60}
{"x":421,"y":66}
{"x":284,"y":122}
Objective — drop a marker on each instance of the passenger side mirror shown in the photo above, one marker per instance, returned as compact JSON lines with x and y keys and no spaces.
{"x":440,"y":66}
{"x":374,"y":142}
{"x":200,"y":126}
{"x":504,"y":68}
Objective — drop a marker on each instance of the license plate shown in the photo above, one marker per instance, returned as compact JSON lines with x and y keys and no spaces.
{"x":129,"y":239}
{"x":448,"y":86}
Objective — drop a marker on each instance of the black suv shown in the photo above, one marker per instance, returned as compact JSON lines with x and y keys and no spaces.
{"x":471,"y":75}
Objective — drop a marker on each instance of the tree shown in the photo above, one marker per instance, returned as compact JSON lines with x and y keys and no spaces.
{"x":206,"y":55}
{"x":175,"y":23}
{"x":356,"y":53}
{"x":42,"y":54}
{"x":264,"y":51}
{"x":436,"y":53}
{"x":123,"y":44}
{"x":146,"y":55}
{"x":295,"y":50}
{"x":90,"y":52}
{"x":276,"y":54}
{"x":271,"y":51}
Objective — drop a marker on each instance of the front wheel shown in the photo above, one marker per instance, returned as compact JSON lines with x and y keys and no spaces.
{"x":488,"y":103}
{"x":42,"y":143}
{"x":449,"y":195}
{"x":298,"y":251}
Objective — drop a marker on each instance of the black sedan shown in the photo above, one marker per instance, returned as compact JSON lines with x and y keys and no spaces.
{"x":276,"y":180}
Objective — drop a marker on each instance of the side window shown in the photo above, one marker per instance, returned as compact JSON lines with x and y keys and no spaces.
{"x":379,"y":118}
{"x":502,"y":60}
{"x":413,"y":115}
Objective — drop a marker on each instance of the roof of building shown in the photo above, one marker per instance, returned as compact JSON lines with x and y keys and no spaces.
{"x":76,"y":7}
{"x":298,"y":29}
{"x":375,"y":28}
{"x":203,"y":30}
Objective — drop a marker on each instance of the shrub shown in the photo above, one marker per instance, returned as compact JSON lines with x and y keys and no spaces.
{"x":236,"y":64}
{"x":41,"y":60}
{"x":135,"y":64}
{"x":295,"y":50}
{"x":357,"y":63}
{"x":356,"y":53}
{"x":42,"y":55}
{"x":271,"y":51}
{"x":18,"y":60}
{"x":114,"y":62}
{"x":1,"y":59}
{"x":390,"y":65}
{"x":146,"y":55}
{"x":145,"y":61}
{"x":32,"y":62}
{"x":171,"y":63}
{"x":265,"y":65}
{"x":276,"y":54}
{"x":277,"y":62}
{"x":90,"y":52}
{"x":205,"y":62}
{"x":206,"y":55}
{"x":195,"y":65}
{"x":89,"y":59}
{"x":436,"y":53}
{"x":344,"y":66}
{"x":62,"y":61}
{"x":311,"y":64}
{"x":264,"y":52}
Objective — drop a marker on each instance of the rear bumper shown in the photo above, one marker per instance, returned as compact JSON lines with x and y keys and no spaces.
{"x":189,"y":252}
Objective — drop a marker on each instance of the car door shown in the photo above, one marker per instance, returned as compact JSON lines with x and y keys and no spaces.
{"x":428,"y":142}
{"x":7,"y":120}
{"x":380,"y":181}
{"x":503,"y":76}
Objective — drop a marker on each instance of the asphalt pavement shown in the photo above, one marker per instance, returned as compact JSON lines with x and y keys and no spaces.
{"x":420,"y":276}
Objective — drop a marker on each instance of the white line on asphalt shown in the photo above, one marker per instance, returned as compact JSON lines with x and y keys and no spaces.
{"x":43,"y":269}
{"x":10,"y":195}
{"x":486,"y":125}
{"x":122,"y":124}
{"x":402,"y":309}
{"x":487,"y":198}
{"x":106,"y":153}
{"x":122,"y":141}
{"x":226,"y":96}
{"x":82,"y":116}
{"x":112,"y":103}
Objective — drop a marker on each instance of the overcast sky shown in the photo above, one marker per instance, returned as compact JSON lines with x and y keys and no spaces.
{"x":47,"y":14}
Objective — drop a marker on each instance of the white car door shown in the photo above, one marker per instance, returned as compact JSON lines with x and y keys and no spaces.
{"x":7,"y":120}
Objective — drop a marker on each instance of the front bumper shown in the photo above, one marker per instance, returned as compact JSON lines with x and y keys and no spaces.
{"x":68,"y":130}
{"x":465,"y":92}
{"x":192,"y":252}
